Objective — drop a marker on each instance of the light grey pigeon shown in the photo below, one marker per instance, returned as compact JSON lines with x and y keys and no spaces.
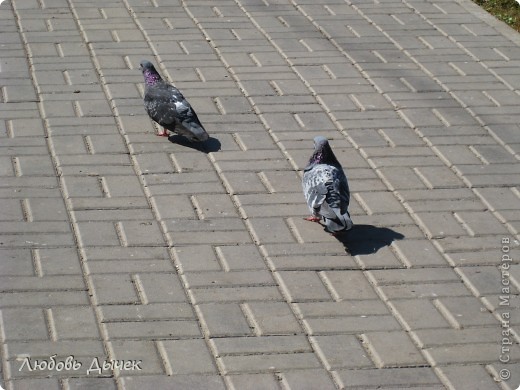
{"x":165,"y":105}
{"x":326,"y":189}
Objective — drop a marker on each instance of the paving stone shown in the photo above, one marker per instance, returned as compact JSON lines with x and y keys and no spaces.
{"x":228,"y":279}
{"x":36,"y":240}
{"x":304,"y":285}
{"x":461,"y":244}
{"x":37,"y":299}
{"x":209,"y":382}
{"x":263,"y":344}
{"x":391,"y":349}
{"x":271,"y":230}
{"x":263,"y":363}
{"x":113,"y":289}
{"x":406,"y":376}
{"x":138,"y":350}
{"x":341,"y":351}
{"x":16,"y":262}
{"x":209,"y":238}
{"x":499,"y":198}
{"x":238,"y":257}
{"x":418,"y":275}
{"x":140,"y":233}
{"x":440,"y":224}
{"x":161,"y":288}
{"x":351,"y":324}
{"x":25,"y":324}
{"x":312,"y":263}
{"x":473,"y":376}
{"x":47,"y":283}
{"x":153,"y":311}
{"x":237,"y":294}
{"x":13,"y":210}
{"x":46,"y":209}
{"x":254,"y":381}
{"x":178,"y":350}
{"x":125,"y":253}
{"x":401,"y":178}
{"x":482,"y":280}
{"x":481,"y":223}
{"x":349,"y":284}
{"x":274,"y":318}
{"x":462,"y":258}
{"x":418,"y":253}
{"x":99,"y":383}
{"x":116,"y":215}
{"x":153,"y":329}
{"x":97,"y":234}
{"x":308,"y":379}
{"x":426,"y":290}
{"x":447,"y":336}
{"x":186,"y":189}
{"x":225,"y":319}
{"x":123,"y":186}
{"x":419,"y":314}
{"x":376,"y":202}
{"x":75,"y":323}
{"x":473,"y":353}
{"x":197,"y":258}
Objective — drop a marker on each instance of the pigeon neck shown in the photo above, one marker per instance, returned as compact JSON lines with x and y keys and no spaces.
{"x":150,"y":78}
{"x":317,"y":158}
{"x":324,"y":156}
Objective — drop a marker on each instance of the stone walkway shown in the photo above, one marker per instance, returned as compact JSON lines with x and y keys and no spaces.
{"x":131,"y":262}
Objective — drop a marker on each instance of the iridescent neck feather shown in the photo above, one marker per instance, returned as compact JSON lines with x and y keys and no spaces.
{"x":324,"y":155}
{"x":150,"y":77}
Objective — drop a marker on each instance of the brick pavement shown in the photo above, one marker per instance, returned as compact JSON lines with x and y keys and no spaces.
{"x":196,"y":264}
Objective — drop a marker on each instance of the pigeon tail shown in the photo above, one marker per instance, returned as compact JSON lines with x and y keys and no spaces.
{"x":342,"y":222}
{"x":197,"y":132}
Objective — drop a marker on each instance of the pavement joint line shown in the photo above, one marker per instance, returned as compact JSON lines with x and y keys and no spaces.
{"x":421,"y":66}
{"x":402,"y":321}
{"x":435,"y":79}
{"x":250,"y":318}
{"x":87,"y":281}
{"x":6,"y":367}
{"x":382,"y":152}
{"x":51,"y":324}
{"x":448,"y":316}
{"x":164,"y":357}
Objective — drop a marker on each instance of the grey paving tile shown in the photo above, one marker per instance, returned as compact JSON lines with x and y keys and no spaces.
{"x":116,"y":241}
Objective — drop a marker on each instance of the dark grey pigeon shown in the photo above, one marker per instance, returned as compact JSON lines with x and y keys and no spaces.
{"x":325,"y":188}
{"x":165,"y":105}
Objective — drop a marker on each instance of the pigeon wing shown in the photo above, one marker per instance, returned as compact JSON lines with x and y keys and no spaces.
{"x":326,"y":190}
{"x":166,"y":105}
{"x":315,"y":179}
{"x":339,"y":193}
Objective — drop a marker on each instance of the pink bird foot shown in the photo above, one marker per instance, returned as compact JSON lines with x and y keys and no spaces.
{"x":163,"y":134}
{"x":312,"y":219}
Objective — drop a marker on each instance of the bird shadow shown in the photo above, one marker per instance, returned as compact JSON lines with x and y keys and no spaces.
{"x":367,"y":239}
{"x":208,"y":146}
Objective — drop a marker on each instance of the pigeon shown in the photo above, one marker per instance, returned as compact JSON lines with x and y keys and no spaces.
{"x":166,"y":105}
{"x":325,"y":187}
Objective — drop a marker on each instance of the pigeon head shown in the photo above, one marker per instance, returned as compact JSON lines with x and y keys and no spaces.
{"x":151,"y":76}
{"x":323,"y":153}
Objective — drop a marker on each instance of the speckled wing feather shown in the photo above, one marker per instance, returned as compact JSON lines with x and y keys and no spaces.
{"x":326,"y":190}
{"x":166,"y":105}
